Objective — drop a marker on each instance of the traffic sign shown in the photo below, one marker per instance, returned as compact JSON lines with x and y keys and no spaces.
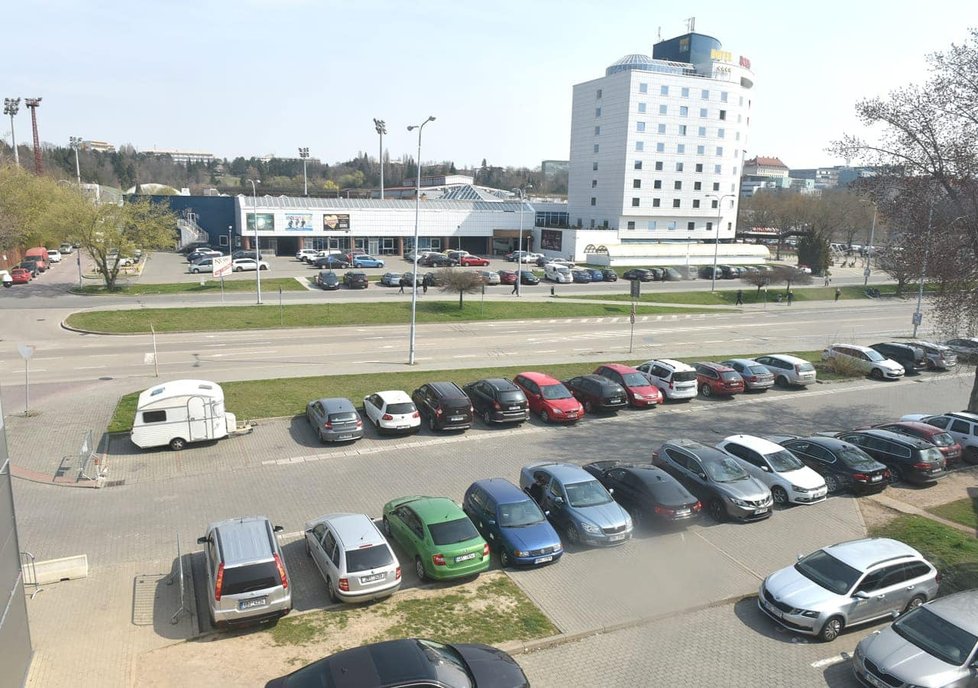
{"x":222,"y":266}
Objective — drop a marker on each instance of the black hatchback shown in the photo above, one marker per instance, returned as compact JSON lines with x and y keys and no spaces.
{"x":498,"y":400}
{"x":355,"y":280}
{"x":647,"y":492}
{"x":597,"y":393}
{"x":910,"y":458}
{"x":843,"y":465}
{"x":444,"y":405}
{"x":327,"y":279}
{"x":910,"y":357}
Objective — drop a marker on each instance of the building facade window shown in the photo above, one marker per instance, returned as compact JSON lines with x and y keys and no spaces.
{"x":703,"y":112}
{"x":717,"y":169}
{"x":676,"y":203}
{"x":723,"y":96}
{"x":655,"y":202}
{"x":682,"y":129}
{"x":641,"y":108}
{"x":696,"y":203}
{"x":597,"y":131}
{"x":684,"y":92}
{"x":594,"y":201}
{"x":706,"y":94}
{"x":597,"y":147}
{"x":714,"y":204}
{"x":599,"y":98}
{"x":660,"y":147}
{"x":636,"y":183}
{"x":719,"y":151}
{"x":716,"y":186}
{"x":631,"y":225}
{"x":594,"y":166}
{"x":635,"y":202}
{"x":680,"y":166}
{"x":723,"y":114}
{"x":677,"y":185}
{"x":680,"y":148}
{"x":709,"y":226}
{"x":661,"y":129}
{"x":683,"y":111}
{"x":721,"y":133}
{"x":699,"y":167}
{"x":639,"y":146}
{"x":657,"y":184}
{"x":643,"y":88}
{"x":691,"y":225}
{"x":594,"y":183}
{"x":663,"y":109}
{"x":651,"y":224}
{"x":638,"y":164}
{"x":640,"y":126}
{"x":658,"y":166}
{"x":701,"y":150}
{"x":701,"y":131}
{"x":597,"y":112}
{"x":697,"y":186}
{"x":663,"y":90}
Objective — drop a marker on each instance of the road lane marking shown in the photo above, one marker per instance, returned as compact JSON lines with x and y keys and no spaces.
{"x":829,"y":661}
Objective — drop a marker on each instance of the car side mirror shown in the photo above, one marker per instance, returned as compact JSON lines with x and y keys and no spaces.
{"x":491,"y":522}
{"x":767,"y":469}
{"x":702,"y":476}
{"x":860,"y":595}
{"x":277,"y":529}
{"x":558,"y":501}
{"x":202,"y":540}
{"x":799,"y":557}
{"x":611,"y":490}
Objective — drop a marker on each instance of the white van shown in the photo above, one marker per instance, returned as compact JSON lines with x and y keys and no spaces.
{"x":176,"y":413}
{"x":555,"y":272}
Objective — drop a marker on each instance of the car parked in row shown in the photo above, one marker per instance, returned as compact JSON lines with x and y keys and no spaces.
{"x":910,"y":357}
{"x":306,"y":254}
{"x":788,"y":478}
{"x":640,"y":391}
{"x":716,"y":379}
{"x":863,"y":359}
{"x":788,"y":371}
{"x":497,"y":400}
{"x":716,"y":479}
{"x":676,"y":380}
{"x":392,"y":411}
{"x":576,"y":503}
{"x":469,"y":260}
{"x":438,"y":537}
{"x":353,"y":557}
{"x":597,"y":393}
{"x":960,"y":425}
{"x":437,"y":260}
{"x":843,"y":465}
{"x":444,"y":405}
{"x":391,"y":279}
{"x":507,"y":517}
{"x":364,"y":261}
{"x":757,"y":378}
{"x":966,"y":348}
{"x":330,"y":261}
{"x":328,"y":280}
{"x":948,"y":446}
{"x":490,"y":277}
{"x":848,"y":584}
{"x":334,"y":419}
{"x":936,"y":356}
{"x":909,"y":458}
{"x":242,"y":264}
{"x":649,"y":494}
{"x":355,"y":280}
{"x":640,"y":274}
{"x":202,"y":265}
{"x":20,"y":276}
{"x":548,"y":398}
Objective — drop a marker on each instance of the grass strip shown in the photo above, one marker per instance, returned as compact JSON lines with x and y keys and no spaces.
{"x":963,"y":511}
{"x":954,"y":553}
{"x":728,"y":297}
{"x":210,"y":286}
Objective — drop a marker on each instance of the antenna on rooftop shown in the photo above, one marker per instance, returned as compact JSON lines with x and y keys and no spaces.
{"x":659,"y":34}
{"x":691,"y":24}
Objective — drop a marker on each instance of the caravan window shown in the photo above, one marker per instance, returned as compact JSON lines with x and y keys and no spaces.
{"x":154,"y":416}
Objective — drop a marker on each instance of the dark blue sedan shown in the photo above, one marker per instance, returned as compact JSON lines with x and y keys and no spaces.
{"x":512,"y":523}
{"x":596,"y":275}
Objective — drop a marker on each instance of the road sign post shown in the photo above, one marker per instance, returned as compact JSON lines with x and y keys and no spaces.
{"x":26,"y":352}
{"x":222,"y":266}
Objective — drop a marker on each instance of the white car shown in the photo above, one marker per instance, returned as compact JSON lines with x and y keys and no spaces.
{"x":676,"y":380}
{"x":240,"y":264}
{"x":392,"y":411}
{"x":490,"y":277}
{"x":790,"y":480}
{"x":306,"y":254}
{"x":6,"y":279}
{"x":54,"y":255}
{"x":202,"y":265}
{"x":865,"y":360}
{"x":556,"y":272}
{"x":524,"y":257}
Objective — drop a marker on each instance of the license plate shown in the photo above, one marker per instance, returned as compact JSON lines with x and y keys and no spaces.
{"x":252,"y":603}
{"x":345,"y":437}
{"x":758,"y":512}
{"x":682,"y":512}
{"x":873,"y":681}
{"x":465,"y":557}
{"x":616,"y":538}
{"x":455,"y":418}
{"x":875,"y":478}
{"x":774,"y":610}
{"x":371,"y":579}
{"x":543,"y":560}
{"x":514,"y":408}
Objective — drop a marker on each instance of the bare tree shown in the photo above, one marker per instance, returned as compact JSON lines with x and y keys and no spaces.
{"x":461,"y":281}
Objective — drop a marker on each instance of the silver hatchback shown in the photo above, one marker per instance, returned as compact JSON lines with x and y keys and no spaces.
{"x":848,"y":584}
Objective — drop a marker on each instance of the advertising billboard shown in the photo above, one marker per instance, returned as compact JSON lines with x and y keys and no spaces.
{"x":551,"y":240}
{"x":266,"y":222}
{"x":298,"y":222}
{"x":333,"y":222}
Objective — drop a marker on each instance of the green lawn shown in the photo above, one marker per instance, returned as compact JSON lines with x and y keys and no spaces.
{"x":954,"y":553}
{"x":964,"y":511}
{"x":270,"y":316}
{"x":726,"y":296}
{"x":211,"y":286}
{"x":254,"y":399}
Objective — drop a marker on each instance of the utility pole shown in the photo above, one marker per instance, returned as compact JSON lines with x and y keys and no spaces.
{"x":33,"y":104}
{"x":10,"y":107}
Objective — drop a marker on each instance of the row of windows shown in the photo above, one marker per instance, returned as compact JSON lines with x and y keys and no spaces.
{"x":683,"y":112}
{"x":657,"y":184}
{"x":665,"y":90}
{"x":681,"y":130}
{"x":670,"y":225}
{"x":657,"y":202}
{"x":660,"y":147}
{"x":680,"y":167}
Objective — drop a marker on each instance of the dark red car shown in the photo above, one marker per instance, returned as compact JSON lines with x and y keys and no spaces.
{"x":641,"y":393}
{"x":718,"y":379}
{"x":936,"y":436}
{"x":20,"y":275}
{"x":507,"y":277}
{"x":472,"y":261}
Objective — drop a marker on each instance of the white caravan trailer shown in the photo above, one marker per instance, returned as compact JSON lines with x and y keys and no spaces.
{"x":175,"y":413}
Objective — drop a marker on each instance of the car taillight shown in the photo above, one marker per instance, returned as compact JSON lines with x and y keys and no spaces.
{"x":281,"y":572}
{"x":387,"y":416}
{"x":752,"y":378}
{"x":860,"y":477}
{"x":219,"y":582}
{"x":344,"y":584}
{"x":438,"y":559}
{"x":415,"y":415}
{"x":698,"y":506}
{"x":664,"y":511}
{"x":485,"y":550}
{"x":397,"y":573}
{"x":922,"y":466}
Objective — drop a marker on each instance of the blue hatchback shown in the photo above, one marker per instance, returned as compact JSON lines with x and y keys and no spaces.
{"x":364,"y":261}
{"x":512,"y":523}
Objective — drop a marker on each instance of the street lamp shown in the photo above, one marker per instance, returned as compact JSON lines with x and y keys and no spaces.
{"x":716,"y":244}
{"x":76,"y":144}
{"x":521,"y":191}
{"x":254,"y":217}
{"x":230,"y":243}
{"x":869,"y":249}
{"x":10,"y":107}
{"x":417,"y":216}
{"x":304,"y":154}
{"x":381,"y":127}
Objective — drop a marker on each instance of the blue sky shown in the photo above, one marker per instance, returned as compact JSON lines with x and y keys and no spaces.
{"x":256,"y":77}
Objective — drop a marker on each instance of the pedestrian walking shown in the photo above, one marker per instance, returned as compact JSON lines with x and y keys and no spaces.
{"x":790,"y":297}
{"x":425,"y":282}
{"x":827,"y":281}
{"x":516,"y":286}
{"x":838,"y":293}
{"x":740,"y":297}
{"x":403,"y":284}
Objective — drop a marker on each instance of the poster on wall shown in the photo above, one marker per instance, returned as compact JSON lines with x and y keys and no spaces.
{"x":298,"y":222}
{"x":266,"y":222}
{"x":551,"y":240}
{"x":333,"y":222}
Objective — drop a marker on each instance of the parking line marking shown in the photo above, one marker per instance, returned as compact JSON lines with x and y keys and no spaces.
{"x":830,"y":661}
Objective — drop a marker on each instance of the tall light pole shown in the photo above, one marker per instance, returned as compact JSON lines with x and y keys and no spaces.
{"x":716,"y":245}
{"x":917,"y":315}
{"x":76,"y":144}
{"x":521,"y":191}
{"x":381,"y":127}
{"x":869,"y":249}
{"x":230,"y":243}
{"x":254,"y":217}
{"x":304,"y":154}
{"x":10,"y":107}
{"x":32,"y":105}
{"x":417,"y":216}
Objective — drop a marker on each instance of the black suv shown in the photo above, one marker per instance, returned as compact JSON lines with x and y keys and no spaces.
{"x":910,"y":458}
{"x":640,"y":274}
{"x":498,"y":401}
{"x":910,"y":357}
{"x":355,"y":280}
{"x":841,"y":463}
{"x":437,"y":260}
{"x":444,"y":404}
{"x":597,"y":393}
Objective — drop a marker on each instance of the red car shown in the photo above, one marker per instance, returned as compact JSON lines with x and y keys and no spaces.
{"x":929,"y":433}
{"x":466,"y":261}
{"x":716,"y":378}
{"x":507,"y":277}
{"x":549,"y":398}
{"x":20,"y":275}
{"x":641,"y":394}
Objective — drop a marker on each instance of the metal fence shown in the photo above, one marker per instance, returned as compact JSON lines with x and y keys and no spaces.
{"x":181,"y":577}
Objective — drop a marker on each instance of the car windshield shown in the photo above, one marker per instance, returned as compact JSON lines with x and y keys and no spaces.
{"x":402,"y":408}
{"x":784,"y":460}
{"x":724,"y":470}
{"x":856,"y":458}
{"x":684,"y":376}
{"x":635,"y":380}
{"x":586,"y":493}
{"x":758,"y":370}
{"x":451,"y":532}
{"x":830,"y":573}
{"x":519,"y":514}
{"x":942,"y":439}
{"x":342,"y":417}
{"x":874,"y":355}
{"x":936,"y":636}
{"x":931,"y":454}
{"x":557,"y":391}
{"x":374,"y":557}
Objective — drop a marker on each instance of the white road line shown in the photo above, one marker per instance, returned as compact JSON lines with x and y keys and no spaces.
{"x":830,"y":661}
{"x":466,"y":356}
{"x":90,"y":367}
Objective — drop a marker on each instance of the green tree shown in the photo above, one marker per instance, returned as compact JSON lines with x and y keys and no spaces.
{"x":461,"y":281}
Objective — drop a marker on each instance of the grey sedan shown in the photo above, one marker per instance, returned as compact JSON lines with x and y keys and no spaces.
{"x":334,"y":420}
{"x":756,"y":377}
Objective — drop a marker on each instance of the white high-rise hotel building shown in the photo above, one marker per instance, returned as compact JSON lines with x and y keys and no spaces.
{"x":657,"y":144}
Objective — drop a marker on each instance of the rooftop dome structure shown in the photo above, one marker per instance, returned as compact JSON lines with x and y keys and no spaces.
{"x":633,"y":61}
{"x":153,"y":189}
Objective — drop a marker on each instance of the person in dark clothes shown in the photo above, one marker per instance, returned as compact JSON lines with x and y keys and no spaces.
{"x":425,"y":282}
{"x":403,"y":283}
{"x":838,"y":293}
{"x":536,"y":489}
{"x":740,"y":297}
{"x":516,"y":285}
{"x":790,"y":297}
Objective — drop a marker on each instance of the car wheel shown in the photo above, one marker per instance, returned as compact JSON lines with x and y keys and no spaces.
{"x":504,"y":560}
{"x":419,"y":569}
{"x":333,"y":597}
{"x":717,"y":511}
{"x":779,"y":494}
{"x":432,"y":425}
{"x":588,"y":408}
{"x":543,"y":416}
{"x":971,"y":455}
{"x":705,"y":390}
{"x":876,"y":374}
{"x":914,"y":602}
{"x":487,"y":417}
{"x":781,"y":381}
{"x":831,"y":483}
{"x":573,"y":537}
{"x":263,"y":267}
{"x":238,"y":269}
{"x":831,"y":630}
{"x":178,"y":443}
{"x":195,"y":271}
{"x":386,"y":526}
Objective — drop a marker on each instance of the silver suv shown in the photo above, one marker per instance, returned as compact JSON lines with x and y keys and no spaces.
{"x":960,"y":425}
{"x":848,"y":584}
{"x":246,"y":577}
{"x":788,"y":370}
{"x":935,"y":645}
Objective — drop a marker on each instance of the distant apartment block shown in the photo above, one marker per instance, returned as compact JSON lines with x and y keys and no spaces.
{"x":181,"y":156}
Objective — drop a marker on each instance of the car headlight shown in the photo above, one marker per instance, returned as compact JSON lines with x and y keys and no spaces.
{"x":806,"y":613}
{"x":628,"y":522}
{"x":558,"y":411}
{"x":739,"y":502}
{"x":796,"y":488}
{"x":590,"y":528}
{"x":520,"y":553}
